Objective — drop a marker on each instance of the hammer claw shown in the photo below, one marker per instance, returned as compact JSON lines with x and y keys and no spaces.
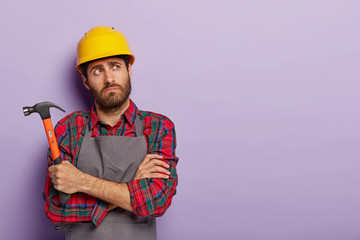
{"x":43,"y":108}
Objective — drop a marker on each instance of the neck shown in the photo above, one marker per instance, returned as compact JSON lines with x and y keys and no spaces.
{"x":111,"y":116}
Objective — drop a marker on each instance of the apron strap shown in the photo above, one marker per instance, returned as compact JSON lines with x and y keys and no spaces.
{"x":139,"y":125}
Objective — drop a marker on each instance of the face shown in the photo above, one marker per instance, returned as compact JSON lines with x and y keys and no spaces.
{"x":109,"y":82}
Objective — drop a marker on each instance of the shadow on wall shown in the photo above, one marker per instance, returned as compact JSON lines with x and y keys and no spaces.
{"x":82,"y":97}
{"x":43,"y":229}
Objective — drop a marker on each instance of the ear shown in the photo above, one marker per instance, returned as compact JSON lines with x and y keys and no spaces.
{"x":130,"y":71}
{"x":85,"y":81}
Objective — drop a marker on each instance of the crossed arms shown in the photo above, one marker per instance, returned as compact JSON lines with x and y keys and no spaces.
{"x":148,"y":194}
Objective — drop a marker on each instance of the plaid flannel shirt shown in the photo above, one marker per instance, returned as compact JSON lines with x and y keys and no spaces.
{"x":149,"y":197}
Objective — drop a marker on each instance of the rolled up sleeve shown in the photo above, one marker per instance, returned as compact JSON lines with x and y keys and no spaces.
{"x":152,"y":197}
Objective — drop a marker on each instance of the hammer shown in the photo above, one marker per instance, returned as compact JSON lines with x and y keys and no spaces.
{"x":43,"y":108}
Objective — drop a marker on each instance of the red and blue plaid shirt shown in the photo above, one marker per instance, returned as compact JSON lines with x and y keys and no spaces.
{"x":149,"y":197}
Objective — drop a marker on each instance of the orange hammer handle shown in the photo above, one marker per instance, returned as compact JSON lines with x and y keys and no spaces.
{"x":54,"y":148}
{"x":51,"y":138}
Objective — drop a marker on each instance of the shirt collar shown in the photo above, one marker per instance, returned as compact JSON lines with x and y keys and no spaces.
{"x":129,"y":114}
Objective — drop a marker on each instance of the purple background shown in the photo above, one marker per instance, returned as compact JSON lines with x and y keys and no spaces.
{"x":264,"y":96}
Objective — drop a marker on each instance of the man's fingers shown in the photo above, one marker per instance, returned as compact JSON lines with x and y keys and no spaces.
{"x":158,"y":175}
{"x":66,"y":162}
{"x":51,"y":168}
{"x":54,"y":168}
{"x":53,"y":180}
{"x":161,"y":170}
{"x":159,"y":163}
{"x":151,"y":156}
{"x":153,"y":166}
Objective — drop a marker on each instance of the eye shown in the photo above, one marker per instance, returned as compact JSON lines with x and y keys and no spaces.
{"x":97,"y":71}
{"x":116,"y":66}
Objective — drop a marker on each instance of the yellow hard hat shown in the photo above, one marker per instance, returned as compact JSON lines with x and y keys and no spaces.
{"x":102,"y":42}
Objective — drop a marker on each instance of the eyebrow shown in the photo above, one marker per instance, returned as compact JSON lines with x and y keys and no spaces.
{"x":109,"y":63}
{"x":113,"y":63}
{"x":96,"y":66}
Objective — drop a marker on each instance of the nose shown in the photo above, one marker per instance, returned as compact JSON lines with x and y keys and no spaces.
{"x":109,"y":76}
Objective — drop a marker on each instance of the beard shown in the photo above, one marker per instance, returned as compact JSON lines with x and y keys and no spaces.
{"x":113,"y":100}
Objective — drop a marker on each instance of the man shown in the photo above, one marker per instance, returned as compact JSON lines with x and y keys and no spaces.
{"x":118,"y":163}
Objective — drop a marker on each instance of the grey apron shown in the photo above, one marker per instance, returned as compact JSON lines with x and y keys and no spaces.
{"x":114,"y":158}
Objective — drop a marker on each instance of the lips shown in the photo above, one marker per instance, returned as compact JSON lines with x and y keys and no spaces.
{"x":111,"y":88}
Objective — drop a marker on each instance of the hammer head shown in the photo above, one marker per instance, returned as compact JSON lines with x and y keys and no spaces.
{"x":43,"y":108}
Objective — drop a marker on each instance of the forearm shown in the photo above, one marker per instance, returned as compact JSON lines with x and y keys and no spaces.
{"x":152,"y":197}
{"x":111,"y":192}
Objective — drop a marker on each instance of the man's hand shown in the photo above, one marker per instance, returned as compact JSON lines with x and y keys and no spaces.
{"x":65,"y":177}
{"x":152,"y":167}
{"x":148,"y":168}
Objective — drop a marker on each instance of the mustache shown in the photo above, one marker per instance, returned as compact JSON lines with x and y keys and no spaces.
{"x":110,"y":86}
